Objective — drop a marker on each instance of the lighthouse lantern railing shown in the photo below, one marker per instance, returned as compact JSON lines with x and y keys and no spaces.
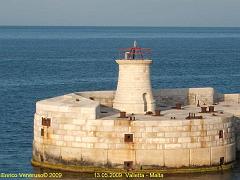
{"x":135,"y":53}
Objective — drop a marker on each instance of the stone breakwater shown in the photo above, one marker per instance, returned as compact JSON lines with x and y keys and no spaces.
{"x":82,"y":129}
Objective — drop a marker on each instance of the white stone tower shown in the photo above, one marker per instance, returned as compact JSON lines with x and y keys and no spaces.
{"x":134,"y":90}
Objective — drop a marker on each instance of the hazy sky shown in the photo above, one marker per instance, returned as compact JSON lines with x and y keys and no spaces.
{"x":121,"y":12}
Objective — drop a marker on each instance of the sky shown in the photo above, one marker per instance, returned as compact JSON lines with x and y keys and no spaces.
{"x":178,"y":13}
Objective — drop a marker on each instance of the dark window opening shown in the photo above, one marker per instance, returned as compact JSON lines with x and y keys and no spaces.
{"x":221,"y":134}
{"x":221,"y":160}
{"x":128,"y":137}
{"x":145,"y":102}
{"x":128,"y":164}
{"x":42,"y":132}
{"x":46,"y":121}
{"x":41,"y":158}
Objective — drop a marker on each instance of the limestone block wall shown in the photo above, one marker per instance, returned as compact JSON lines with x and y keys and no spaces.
{"x":69,"y":105}
{"x":232,"y":99}
{"x":170,"y":97}
{"x":103,"y":97}
{"x":228,"y":98}
{"x":237,"y":130}
{"x":72,"y":139}
{"x":203,"y":95}
{"x":185,"y":96}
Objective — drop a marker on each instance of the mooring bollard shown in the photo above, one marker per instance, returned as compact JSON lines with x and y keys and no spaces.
{"x":211,"y":108}
{"x":157,"y":112}
{"x":204,"y":109}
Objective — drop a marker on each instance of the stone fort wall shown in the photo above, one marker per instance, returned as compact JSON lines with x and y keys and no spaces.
{"x":74,"y":139}
{"x":101,"y":142}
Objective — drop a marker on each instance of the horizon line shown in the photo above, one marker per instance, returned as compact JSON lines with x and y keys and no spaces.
{"x":119,"y":26}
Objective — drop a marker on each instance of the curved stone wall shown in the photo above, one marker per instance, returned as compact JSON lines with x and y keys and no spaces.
{"x":72,"y":138}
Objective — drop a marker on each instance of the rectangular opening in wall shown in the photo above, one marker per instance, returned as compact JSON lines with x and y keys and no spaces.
{"x":128,"y":137}
{"x":41,"y":158}
{"x":46,"y":122}
{"x":122,"y":114}
{"x":42,"y":132}
{"x":221,"y":160}
{"x":221,"y":134}
{"x":128,"y":164}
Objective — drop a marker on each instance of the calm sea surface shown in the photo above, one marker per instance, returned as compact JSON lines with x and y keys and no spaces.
{"x":42,"y":62}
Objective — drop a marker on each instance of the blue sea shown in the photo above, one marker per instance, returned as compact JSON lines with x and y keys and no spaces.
{"x":42,"y":62}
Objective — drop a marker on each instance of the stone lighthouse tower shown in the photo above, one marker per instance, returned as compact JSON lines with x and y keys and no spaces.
{"x":134,"y":90}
